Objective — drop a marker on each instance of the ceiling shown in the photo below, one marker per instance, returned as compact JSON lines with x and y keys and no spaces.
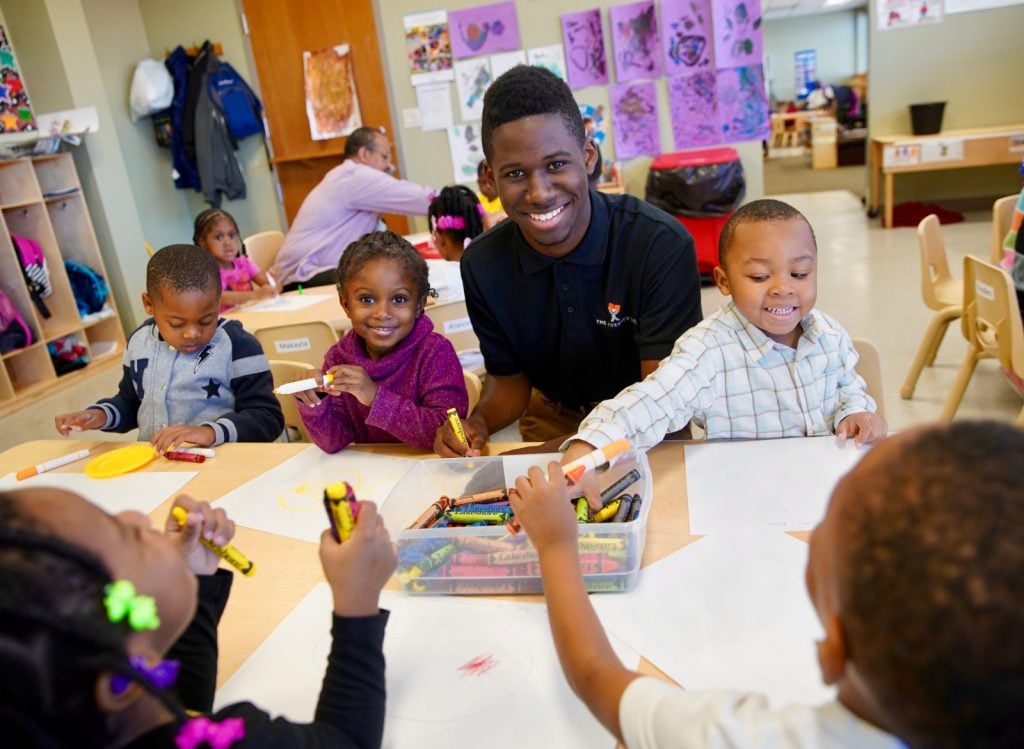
{"x":772,"y":10}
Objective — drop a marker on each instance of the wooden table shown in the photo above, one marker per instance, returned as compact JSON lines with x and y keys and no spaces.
{"x":951,"y":149}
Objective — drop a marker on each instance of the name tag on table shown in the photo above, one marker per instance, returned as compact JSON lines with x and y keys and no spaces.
{"x":292,"y":344}
{"x":458,"y":325}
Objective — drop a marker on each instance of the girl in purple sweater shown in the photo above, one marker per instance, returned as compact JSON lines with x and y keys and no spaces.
{"x":393,"y":378}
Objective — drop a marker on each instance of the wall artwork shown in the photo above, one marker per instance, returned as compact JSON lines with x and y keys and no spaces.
{"x":467,"y":151}
{"x":15,"y":109}
{"x":737,"y":25}
{"x":635,"y":119}
{"x":743,"y":104}
{"x":635,"y":41}
{"x":331,"y":102}
{"x":472,"y":79}
{"x":551,"y":58}
{"x":693,"y":103}
{"x":484,"y":30}
{"x":584,"y":49}
{"x":686,"y":35}
{"x":428,"y":47}
{"x":505,"y":61}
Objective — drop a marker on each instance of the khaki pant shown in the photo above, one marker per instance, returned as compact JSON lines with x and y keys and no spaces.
{"x":545,"y":420}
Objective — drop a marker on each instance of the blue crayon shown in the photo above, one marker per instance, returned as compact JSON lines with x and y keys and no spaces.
{"x":488,"y":508}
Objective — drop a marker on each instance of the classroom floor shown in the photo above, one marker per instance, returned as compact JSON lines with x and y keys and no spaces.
{"x":868,"y":278}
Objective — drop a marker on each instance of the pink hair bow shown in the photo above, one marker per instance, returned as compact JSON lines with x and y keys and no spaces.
{"x":451,"y":222}
{"x":216,"y":735}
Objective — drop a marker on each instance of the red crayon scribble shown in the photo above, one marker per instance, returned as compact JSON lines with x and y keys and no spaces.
{"x":478,"y":666}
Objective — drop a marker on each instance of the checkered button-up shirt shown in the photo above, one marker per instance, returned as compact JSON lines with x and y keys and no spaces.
{"x":735,"y":382}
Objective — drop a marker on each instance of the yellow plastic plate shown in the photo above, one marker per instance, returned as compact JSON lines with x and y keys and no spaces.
{"x":119,"y":461}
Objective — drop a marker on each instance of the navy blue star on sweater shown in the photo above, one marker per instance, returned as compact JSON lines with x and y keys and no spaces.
{"x":212,"y":389}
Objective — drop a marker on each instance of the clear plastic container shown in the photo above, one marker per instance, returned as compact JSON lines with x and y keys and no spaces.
{"x":490,"y":559}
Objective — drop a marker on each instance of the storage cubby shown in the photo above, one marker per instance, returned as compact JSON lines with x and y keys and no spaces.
{"x":41,"y":199}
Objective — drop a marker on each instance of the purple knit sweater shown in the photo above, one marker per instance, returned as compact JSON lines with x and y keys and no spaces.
{"x":417,"y":383}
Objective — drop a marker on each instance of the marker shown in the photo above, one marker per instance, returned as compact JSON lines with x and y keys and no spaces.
{"x":272,"y":282}
{"x":298,"y":386}
{"x":456,"y":422}
{"x":51,"y":464}
{"x":574,"y":471}
{"x":228,"y":553}
{"x":184,"y":457}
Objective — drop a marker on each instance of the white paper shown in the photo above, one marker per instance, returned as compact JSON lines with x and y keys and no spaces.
{"x":467,"y":151}
{"x":446,"y":279}
{"x":435,"y":106}
{"x":472,"y":79}
{"x":551,"y":57}
{"x":288,"y":499}
{"x":726,"y":612}
{"x":505,"y":61}
{"x":942,"y":150}
{"x":287,"y":303}
{"x":483,"y":670}
{"x":132,"y":491}
{"x":906,"y":155}
{"x":781,"y":485}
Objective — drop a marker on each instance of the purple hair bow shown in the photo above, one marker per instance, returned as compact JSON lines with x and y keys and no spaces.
{"x":216,"y":735}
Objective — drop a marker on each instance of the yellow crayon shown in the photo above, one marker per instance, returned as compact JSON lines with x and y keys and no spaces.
{"x":608,"y":511}
{"x":456,"y":422}
{"x":228,"y":553}
{"x":337,"y":499}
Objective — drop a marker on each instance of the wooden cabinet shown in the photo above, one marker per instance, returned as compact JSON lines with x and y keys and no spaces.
{"x":41,"y":198}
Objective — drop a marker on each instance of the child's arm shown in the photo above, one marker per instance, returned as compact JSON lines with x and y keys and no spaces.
{"x":79,"y":421}
{"x":856,"y":415}
{"x":327,"y":419}
{"x":590,"y":665}
{"x":121,"y":412}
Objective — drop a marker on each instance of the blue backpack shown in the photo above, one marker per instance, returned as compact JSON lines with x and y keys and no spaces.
{"x":242,"y":111}
{"x":89,"y":287}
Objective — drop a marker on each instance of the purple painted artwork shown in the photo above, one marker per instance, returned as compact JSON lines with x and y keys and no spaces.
{"x":635,"y":119}
{"x":693,"y":104}
{"x":737,"y":25}
{"x":686,"y":35}
{"x":635,"y":41}
{"x":742,"y":104}
{"x":584,"y":49}
{"x":483,"y":30}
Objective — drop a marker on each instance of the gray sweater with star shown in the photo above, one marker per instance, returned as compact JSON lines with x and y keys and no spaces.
{"x":226,"y":386}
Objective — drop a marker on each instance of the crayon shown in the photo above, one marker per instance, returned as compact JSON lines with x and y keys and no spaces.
{"x":619,"y":486}
{"x":468,"y":570}
{"x":478,"y":543}
{"x":469,"y":558}
{"x":498,"y":495}
{"x":600,"y":543}
{"x":593,"y":566}
{"x":484,"y":507}
{"x":339,"y":500}
{"x":634,"y":508}
{"x":228,"y":553}
{"x":431,"y":514}
{"x":436,"y":559}
{"x":184,"y":457}
{"x":597,"y":586}
{"x":623,"y":512}
{"x":607,"y":512}
{"x":50,"y":465}
{"x":582,"y":510}
{"x":512,"y":557}
{"x":497,"y":587}
{"x":456,"y":422}
{"x":469,"y":518}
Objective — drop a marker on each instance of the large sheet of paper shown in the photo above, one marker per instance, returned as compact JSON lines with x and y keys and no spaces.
{"x":288,"y":499}
{"x":482,"y":670}
{"x":133,"y":491}
{"x":289,"y":303}
{"x":729,"y":611}
{"x":780,"y":484}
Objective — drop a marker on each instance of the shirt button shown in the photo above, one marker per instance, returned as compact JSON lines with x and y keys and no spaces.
{"x":565,"y":287}
{"x":570,"y":310}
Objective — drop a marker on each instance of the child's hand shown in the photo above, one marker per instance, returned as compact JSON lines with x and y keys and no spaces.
{"x":205,"y":521}
{"x":171,"y":437}
{"x":274,"y":272}
{"x":264,"y":292}
{"x":448,"y":445}
{"x":542,"y":507}
{"x":79,"y":421}
{"x":864,"y":427}
{"x":352,"y":379}
{"x":358,"y":568}
{"x":588,"y":485}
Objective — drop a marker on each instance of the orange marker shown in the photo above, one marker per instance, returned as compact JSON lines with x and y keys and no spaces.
{"x":51,"y":464}
{"x":574,"y":471}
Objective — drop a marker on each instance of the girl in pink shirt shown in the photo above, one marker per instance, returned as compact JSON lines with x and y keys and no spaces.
{"x":216,"y":231}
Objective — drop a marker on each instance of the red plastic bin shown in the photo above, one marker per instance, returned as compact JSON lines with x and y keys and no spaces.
{"x":705,"y":233}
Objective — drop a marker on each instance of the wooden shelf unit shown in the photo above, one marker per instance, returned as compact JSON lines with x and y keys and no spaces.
{"x":61,"y":225}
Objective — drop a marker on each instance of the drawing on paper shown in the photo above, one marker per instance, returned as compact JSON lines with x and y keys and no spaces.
{"x":332,"y":105}
{"x":484,"y":30}
{"x":550,"y":58}
{"x":584,"y":49}
{"x":742,"y":104}
{"x":686,"y":35}
{"x":635,"y":119}
{"x":427,"y":44}
{"x":467,"y":151}
{"x":692,"y":102}
{"x":478,"y":666}
{"x":635,"y":41}
{"x":15,"y":109}
{"x":593,"y":122}
{"x":472,"y":79}
{"x":737,"y":25}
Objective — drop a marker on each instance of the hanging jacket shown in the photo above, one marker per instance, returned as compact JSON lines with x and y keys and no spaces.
{"x":186,"y":174}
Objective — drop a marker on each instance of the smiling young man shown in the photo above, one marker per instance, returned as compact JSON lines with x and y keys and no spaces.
{"x":579,"y":294}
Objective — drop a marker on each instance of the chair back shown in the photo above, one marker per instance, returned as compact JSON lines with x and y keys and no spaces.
{"x":263,"y":247}
{"x":305,"y":342}
{"x":285,"y":371}
{"x":473,"y":388}
{"x":991,"y":321}
{"x":938,"y":289}
{"x":1002,"y":217}
{"x":869,"y":366}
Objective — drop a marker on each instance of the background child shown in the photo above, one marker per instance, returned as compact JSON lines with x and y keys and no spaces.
{"x":74,"y":672}
{"x":216,"y":231}
{"x":765,"y":365}
{"x":456,"y":217}
{"x":493,"y":210}
{"x":919,"y":591}
{"x":394,"y":378}
{"x":188,"y":376}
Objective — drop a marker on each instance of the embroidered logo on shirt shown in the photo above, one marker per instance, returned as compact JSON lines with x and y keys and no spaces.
{"x":613,"y":313}
{"x":614,"y":321}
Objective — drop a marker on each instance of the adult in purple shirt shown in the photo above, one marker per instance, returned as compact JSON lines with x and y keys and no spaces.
{"x":346,"y":205}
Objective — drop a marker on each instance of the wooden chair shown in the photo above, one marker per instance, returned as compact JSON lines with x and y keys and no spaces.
{"x":263,"y":247}
{"x":285,"y":371}
{"x":1002,"y":215}
{"x":869,"y":366}
{"x":301,"y":342}
{"x":473,"y":388}
{"x":992,"y":326}
{"x":941,"y":292}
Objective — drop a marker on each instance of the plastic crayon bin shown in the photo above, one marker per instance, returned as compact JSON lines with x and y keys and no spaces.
{"x":488,"y":559}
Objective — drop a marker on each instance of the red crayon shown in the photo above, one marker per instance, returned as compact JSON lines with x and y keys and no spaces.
{"x":595,"y":566}
{"x":469,"y":558}
{"x":469,"y":570}
{"x":184,"y":457}
{"x":431,"y":514}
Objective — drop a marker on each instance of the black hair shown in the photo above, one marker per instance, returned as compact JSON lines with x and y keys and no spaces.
{"x":55,"y":637}
{"x":758,"y":211}
{"x":385,"y":245}
{"x":931,"y":591}
{"x":182,"y":267}
{"x":525,"y":91}
{"x":458,"y":202}
{"x":361,"y":137}
{"x":205,"y":221}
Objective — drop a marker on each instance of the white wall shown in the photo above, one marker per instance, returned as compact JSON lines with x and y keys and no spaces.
{"x":831,"y":35}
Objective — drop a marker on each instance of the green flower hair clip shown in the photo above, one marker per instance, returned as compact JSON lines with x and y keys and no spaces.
{"x":122,"y":602}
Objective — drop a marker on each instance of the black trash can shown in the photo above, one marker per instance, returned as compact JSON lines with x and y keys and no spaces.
{"x":926,"y":119}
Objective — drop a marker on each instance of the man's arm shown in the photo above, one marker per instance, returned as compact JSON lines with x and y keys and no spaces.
{"x":502,"y":401}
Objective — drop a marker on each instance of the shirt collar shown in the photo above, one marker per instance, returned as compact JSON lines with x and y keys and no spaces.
{"x":758,"y":345}
{"x":590,"y":251}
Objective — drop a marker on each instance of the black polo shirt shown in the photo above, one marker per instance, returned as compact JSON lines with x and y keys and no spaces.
{"x":579,"y":326}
